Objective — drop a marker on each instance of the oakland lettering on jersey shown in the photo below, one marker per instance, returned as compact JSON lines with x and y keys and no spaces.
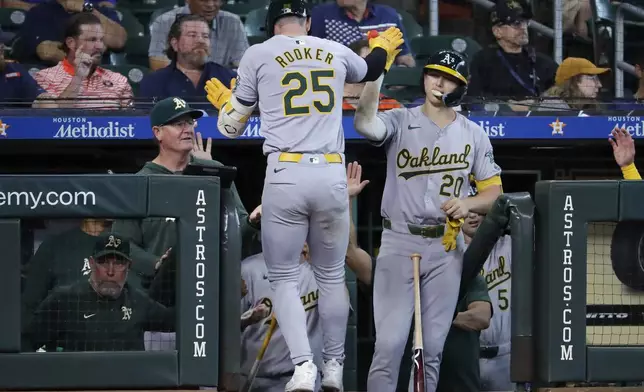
{"x":497,"y":275}
{"x":291,"y":56}
{"x":437,"y":163}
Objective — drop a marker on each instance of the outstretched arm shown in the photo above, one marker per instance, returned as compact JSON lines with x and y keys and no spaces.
{"x":365,"y":120}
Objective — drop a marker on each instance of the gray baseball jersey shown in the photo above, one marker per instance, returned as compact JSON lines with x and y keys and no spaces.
{"x":299,"y":82}
{"x":277,"y":360}
{"x":423,"y":159}
{"x":497,"y":271}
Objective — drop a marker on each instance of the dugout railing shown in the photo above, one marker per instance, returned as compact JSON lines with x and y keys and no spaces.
{"x":207,"y":326}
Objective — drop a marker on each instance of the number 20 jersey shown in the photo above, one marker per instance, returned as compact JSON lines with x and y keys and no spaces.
{"x":427,"y":165}
{"x":299,"y":83}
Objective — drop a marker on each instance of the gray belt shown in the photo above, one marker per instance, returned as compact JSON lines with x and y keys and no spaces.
{"x":423,"y":231}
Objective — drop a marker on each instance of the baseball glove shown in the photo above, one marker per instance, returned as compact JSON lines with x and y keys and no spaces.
{"x":217,"y":93}
{"x":389,"y":40}
{"x":452,"y":228}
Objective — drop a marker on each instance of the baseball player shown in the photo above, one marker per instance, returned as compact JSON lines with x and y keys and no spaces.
{"x":431,"y":151}
{"x":495,"y":340}
{"x":257,"y":301}
{"x":297,"y":81}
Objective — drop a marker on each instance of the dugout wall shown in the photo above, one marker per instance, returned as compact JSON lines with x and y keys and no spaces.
{"x":198,"y":204}
{"x":585,"y":254}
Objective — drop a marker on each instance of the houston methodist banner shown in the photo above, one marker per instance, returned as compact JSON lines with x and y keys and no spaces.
{"x":118,"y":127}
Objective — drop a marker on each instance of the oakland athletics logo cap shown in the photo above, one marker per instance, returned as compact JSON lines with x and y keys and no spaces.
{"x":171,"y":108}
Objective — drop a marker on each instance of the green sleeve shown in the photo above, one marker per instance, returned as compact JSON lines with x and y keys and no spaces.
{"x":38,"y":279}
{"x":478,"y":291}
{"x":143,"y":262}
{"x":159,"y":318}
{"x":44,"y":326}
{"x":248,"y":230}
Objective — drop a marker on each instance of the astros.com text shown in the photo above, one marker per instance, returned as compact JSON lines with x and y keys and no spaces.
{"x":35,"y":199}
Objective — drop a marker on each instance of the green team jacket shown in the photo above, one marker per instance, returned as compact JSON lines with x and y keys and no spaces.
{"x":459,"y":371}
{"x":150,"y":238}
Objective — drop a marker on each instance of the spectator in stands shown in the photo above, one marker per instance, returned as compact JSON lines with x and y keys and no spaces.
{"x":60,"y":260}
{"x":346,"y":21}
{"x":29,"y":4}
{"x":42,"y":35}
{"x":173,"y":124}
{"x":575,"y":17}
{"x":576,"y":86}
{"x":102,"y":313}
{"x":352,"y":91}
{"x":78,"y":77}
{"x":510,"y":69}
{"x":17,"y":87}
{"x":227,"y":36}
{"x":639,"y":72}
{"x":189,"y":70}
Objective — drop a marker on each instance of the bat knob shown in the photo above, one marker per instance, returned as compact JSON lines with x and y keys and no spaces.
{"x":416,"y":255}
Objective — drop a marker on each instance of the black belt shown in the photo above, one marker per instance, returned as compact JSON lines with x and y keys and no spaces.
{"x":488,"y":352}
{"x":423,"y":231}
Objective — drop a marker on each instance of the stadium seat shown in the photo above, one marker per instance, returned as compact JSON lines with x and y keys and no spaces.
{"x":133,"y":73}
{"x":158,"y":13}
{"x":423,"y":47}
{"x":403,"y":83}
{"x":144,"y":9}
{"x":411,"y":26}
{"x":11,"y":19}
{"x":256,"y":39}
{"x":136,"y":50}
{"x":245,"y":8}
{"x":255,"y":22}
{"x":130,"y":23}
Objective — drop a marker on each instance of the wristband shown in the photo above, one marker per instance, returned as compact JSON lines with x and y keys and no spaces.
{"x":630,"y":172}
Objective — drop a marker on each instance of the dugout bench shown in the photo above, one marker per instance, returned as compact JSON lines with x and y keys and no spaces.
{"x":204,"y":339}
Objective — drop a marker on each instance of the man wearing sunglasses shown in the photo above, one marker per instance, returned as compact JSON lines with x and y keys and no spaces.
{"x":510,"y":69}
{"x":101,"y":313}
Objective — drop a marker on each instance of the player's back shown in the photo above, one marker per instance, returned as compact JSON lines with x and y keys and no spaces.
{"x":300,"y":83}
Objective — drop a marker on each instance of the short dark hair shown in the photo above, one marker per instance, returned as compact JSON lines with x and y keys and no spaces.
{"x":175,"y":31}
{"x":74,"y":23}
{"x":357,"y":46}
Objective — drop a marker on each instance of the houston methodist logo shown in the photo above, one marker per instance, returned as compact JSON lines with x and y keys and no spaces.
{"x":633,"y":124}
{"x":85,"y":128}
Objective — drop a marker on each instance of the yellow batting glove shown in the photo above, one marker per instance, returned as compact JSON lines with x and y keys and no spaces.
{"x":389,"y":40}
{"x":452,"y":228}
{"x":217,"y":93}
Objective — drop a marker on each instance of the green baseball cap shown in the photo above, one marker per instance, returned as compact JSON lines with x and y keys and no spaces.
{"x":112,"y":245}
{"x":169,"y":109}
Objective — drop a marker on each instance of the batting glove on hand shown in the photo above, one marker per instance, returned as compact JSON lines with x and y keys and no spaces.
{"x":256,"y":314}
{"x":389,"y":40}
{"x":452,"y":228}
{"x":217,"y":93}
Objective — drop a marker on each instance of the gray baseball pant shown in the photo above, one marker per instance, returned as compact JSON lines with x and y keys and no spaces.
{"x":393,"y":304}
{"x":307,"y":201}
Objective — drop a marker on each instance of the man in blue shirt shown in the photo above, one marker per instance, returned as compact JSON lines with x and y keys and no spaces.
{"x":346,"y":21}
{"x":43,"y":31}
{"x":17,"y":87}
{"x":189,"y":70}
